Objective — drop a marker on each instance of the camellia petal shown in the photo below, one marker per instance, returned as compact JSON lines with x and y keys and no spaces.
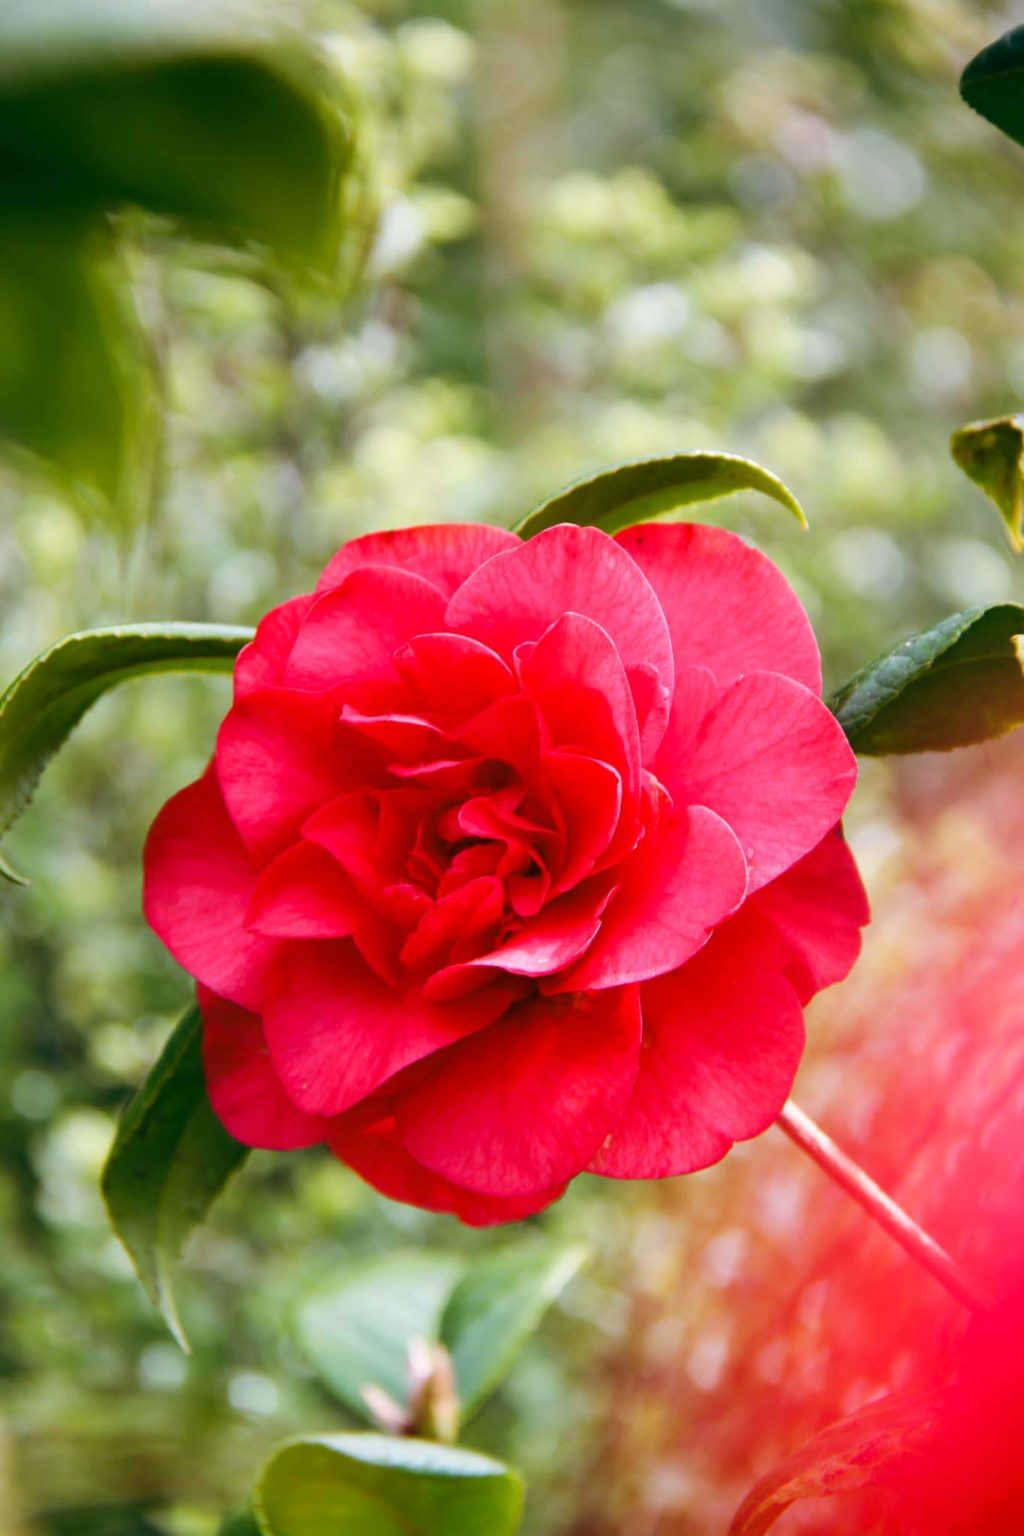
{"x":445,"y":553}
{"x":773,"y":762}
{"x":336,"y":1032}
{"x":816,"y":910}
{"x":516,"y":596}
{"x":198,"y":885}
{"x":304,"y":894}
{"x":728,"y":607}
{"x":263,"y":661}
{"x":512,"y":1110}
{"x":377,"y":1155}
{"x":244,"y":1089}
{"x":685,"y":878}
{"x":351,"y":633}
{"x":723,"y":1037}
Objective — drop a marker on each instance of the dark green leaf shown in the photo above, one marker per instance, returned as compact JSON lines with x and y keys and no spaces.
{"x":959,"y":683}
{"x":495,"y":1307}
{"x":356,"y":1332}
{"x":373,"y":1485}
{"x":44,"y":703}
{"x":76,"y":389}
{"x":993,"y":83}
{"x":846,"y":1456}
{"x":991,"y":453}
{"x":171,"y":1157}
{"x":645,"y":489}
{"x":181,"y":108}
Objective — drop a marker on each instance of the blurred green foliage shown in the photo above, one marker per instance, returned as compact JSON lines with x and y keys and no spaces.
{"x":611,"y":229}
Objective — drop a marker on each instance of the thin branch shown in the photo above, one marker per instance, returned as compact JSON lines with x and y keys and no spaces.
{"x":892,"y":1218}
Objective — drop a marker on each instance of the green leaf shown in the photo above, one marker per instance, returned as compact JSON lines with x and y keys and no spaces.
{"x":952,"y":686}
{"x":183,"y":108}
{"x":991,"y":453}
{"x":846,"y":1456}
{"x":645,"y":489}
{"x":171,"y":1157}
{"x":993,"y":83}
{"x":356,"y":1332}
{"x":374,"y":1485}
{"x":495,"y":1307}
{"x":241,"y":1522}
{"x":46,"y":701}
{"x":76,"y":389}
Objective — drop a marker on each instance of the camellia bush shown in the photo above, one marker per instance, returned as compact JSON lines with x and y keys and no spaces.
{"x":518,"y":853}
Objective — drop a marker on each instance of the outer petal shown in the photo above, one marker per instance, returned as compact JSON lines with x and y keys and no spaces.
{"x":521,"y":1107}
{"x":687,"y":875}
{"x":198,"y":884}
{"x":336,"y":1032}
{"x":445,"y":553}
{"x":517,"y":595}
{"x":244,"y":1089}
{"x":378,"y":1156}
{"x":280,"y":757}
{"x":723,"y":1037}
{"x":816,"y":910}
{"x":352,"y":633}
{"x":774,"y":763}
{"x":262,"y":663}
{"x":728,"y":607}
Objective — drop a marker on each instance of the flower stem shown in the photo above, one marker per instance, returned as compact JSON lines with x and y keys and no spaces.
{"x":892,"y":1218}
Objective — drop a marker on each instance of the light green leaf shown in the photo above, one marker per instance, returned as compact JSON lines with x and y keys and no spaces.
{"x":952,"y":686}
{"x":993,"y":83}
{"x":46,"y":701}
{"x":356,"y":1332}
{"x":846,"y":1456}
{"x":171,"y":1157}
{"x":646,"y":489}
{"x":241,"y":1522}
{"x":991,"y":453}
{"x":373,"y":1485}
{"x":497,"y":1305}
{"x":192,"y":110}
{"x":76,"y":388}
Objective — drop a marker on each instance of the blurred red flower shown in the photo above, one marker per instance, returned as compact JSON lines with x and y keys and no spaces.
{"x":514,"y":860}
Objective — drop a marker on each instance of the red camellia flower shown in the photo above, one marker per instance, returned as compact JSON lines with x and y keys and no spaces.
{"x":515,"y":859}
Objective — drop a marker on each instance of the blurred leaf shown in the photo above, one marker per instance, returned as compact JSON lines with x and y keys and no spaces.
{"x":379,"y":1486}
{"x":171,"y":1157}
{"x":993,"y":83}
{"x":75,"y":384}
{"x":45,"y":702}
{"x":990,"y":453}
{"x":496,"y":1306}
{"x":646,"y":489}
{"x":356,"y":1332}
{"x":959,"y":683}
{"x":241,"y":1522}
{"x":846,"y":1456}
{"x":190,"y":110}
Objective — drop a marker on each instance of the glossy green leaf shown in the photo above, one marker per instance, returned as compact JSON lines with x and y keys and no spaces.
{"x":495,"y":1308}
{"x":991,"y":453}
{"x":646,"y":489}
{"x":993,"y":83}
{"x":170,"y":1159}
{"x":356,"y":1331}
{"x":46,"y":701}
{"x":191,"y":110}
{"x":374,"y":1485}
{"x":952,"y":686}
{"x":846,"y":1456}
{"x":76,"y":390}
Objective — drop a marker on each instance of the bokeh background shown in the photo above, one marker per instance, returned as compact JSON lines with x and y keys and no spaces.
{"x":609,"y":228}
